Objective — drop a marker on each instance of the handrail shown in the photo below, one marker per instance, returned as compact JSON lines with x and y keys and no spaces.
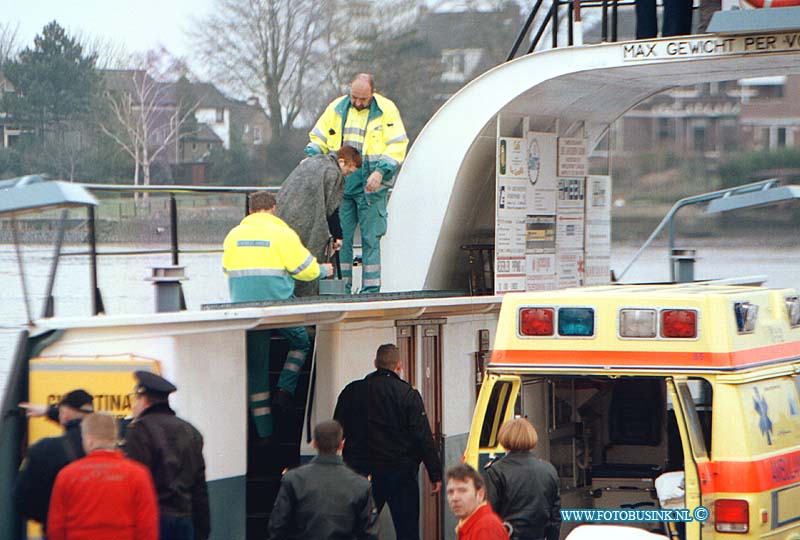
{"x":178,"y":189}
{"x":574,"y":7}
{"x":174,"y":250}
{"x":686,"y":201}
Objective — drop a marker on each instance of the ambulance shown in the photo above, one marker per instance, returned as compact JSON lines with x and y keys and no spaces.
{"x":628,"y":383}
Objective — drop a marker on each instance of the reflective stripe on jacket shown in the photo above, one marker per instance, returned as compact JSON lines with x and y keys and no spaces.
{"x":385,"y":139}
{"x":263,"y":256}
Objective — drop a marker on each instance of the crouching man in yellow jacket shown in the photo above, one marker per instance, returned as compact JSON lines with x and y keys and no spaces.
{"x":263,"y":256}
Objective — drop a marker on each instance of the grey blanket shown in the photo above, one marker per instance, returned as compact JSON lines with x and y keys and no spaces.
{"x":309,"y":195}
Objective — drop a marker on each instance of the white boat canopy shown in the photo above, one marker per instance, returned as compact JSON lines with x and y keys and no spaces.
{"x":445,"y":193}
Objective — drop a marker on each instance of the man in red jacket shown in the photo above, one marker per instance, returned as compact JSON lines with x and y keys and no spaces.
{"x":466,"y":496}
{"x":104,"y":496}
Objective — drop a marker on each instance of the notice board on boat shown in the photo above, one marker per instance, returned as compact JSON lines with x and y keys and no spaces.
{"x":552,"y":219}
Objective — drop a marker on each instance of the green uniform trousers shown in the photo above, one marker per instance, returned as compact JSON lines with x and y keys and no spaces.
{"x":258,"y":347}
{"x":368,"y":211}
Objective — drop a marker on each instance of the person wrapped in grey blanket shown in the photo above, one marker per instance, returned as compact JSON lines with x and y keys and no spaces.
{"x":310,"y":197}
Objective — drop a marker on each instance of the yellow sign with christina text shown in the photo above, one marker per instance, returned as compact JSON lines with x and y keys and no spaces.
{"x":108,"y":378}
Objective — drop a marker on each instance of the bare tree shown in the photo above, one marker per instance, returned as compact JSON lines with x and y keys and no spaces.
{"x":264,"y":48}
{"x":147,"y":116}
{"x":110,"y":54}
{"x":9,"y":42}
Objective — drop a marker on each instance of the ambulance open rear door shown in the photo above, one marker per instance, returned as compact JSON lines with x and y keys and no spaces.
{"x":693,"y":445}
{"x":495,"y":405}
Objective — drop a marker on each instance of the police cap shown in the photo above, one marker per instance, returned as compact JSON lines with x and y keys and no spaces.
{"x":79,"y":399}
{"x":150,"y":383}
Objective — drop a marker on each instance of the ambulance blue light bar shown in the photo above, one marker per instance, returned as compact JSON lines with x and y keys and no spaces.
{"x":543,"y":321}
{"x":576,"y":322}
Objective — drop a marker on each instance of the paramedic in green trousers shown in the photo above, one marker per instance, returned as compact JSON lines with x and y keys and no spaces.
{"x":371,"y":124}
{"x":262,"y":258}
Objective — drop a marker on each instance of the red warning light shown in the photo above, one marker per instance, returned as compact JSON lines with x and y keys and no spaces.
{"x":679,"y":323}
{"x":536,"y":321}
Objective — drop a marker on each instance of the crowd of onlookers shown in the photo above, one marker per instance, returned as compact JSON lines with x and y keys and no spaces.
{"x":381,"y":429}
{"x":88,"y":484}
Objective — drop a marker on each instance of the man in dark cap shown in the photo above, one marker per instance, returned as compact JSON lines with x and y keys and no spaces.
{"x":48,"y":456}
{"x":173,"y":451}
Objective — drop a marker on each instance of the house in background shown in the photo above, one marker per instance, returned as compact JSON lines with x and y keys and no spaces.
{"x":709,"y":119}
{"x":770,"y":112}
{"x":8,"y":130}
{"x":216,"y":122}
{"x":470,"y":42}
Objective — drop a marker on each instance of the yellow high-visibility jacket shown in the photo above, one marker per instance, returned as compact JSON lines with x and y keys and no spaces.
{"x":263,"y":256}
{"x":385,"y":139}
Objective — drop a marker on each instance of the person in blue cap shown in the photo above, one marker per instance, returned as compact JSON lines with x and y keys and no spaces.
{"x":173,"y":451}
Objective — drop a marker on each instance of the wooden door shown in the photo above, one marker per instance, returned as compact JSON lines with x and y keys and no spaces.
{"x":431,"y":390}
{"x":406,"y":344}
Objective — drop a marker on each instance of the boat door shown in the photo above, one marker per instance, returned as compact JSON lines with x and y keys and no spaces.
{"x":495,"y":405}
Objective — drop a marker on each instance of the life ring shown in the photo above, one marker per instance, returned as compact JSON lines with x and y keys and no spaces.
{"x":773,"y":3}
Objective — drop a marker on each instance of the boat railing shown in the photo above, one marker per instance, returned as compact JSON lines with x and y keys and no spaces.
{"x":174,"y":233}
{"x":752,"y":195}
{"x":549,"y":17}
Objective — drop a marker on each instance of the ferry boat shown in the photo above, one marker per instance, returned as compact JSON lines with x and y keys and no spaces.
{"x":445,"y":197}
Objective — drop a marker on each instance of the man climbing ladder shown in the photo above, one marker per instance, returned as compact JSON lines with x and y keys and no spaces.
{"x":262,"y":259}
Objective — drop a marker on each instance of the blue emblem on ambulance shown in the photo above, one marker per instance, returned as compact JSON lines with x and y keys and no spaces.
{"x":764,"y":423}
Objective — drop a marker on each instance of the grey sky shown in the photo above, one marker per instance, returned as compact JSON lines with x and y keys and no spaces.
{"x":139,"y":25}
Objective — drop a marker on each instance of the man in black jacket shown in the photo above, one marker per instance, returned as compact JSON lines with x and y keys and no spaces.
{"x":387,"y":434}
{"x":48,"y":456}
{"x":324,"y":499}
{"x":173,"y":451}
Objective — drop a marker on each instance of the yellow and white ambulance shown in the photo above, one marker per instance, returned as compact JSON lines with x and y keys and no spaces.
{"x":626,"y":383}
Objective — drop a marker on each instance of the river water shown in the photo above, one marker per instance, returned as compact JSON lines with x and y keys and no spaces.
{"x":122,"y":279}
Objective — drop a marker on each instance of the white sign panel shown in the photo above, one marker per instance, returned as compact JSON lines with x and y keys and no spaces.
{"x":571,"y":193}
{"x":598,"y":196}
{"x":541,"y":264}
{"x":706,"y":47}
{"x":535,"y":283}
{"x":512,"y":158}
{"x":506,"y":284}
{"x":598,"y":236}
{"x":572,"y":157}
{"x":540,"y":234}
{"x":570,"y":269}
{"x":596,"y":270}
{"x":542,"y":173}
{"x":598,"y":216}
{"x":569,"y":230}
{"x":510,"y":237}
{"x":512,"y":197}
{"x":509,"y":274}
{"x":541,"y":157}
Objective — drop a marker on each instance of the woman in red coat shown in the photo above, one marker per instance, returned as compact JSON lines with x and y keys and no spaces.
{"x":103,"y":496}
{"x":466,"y":497}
